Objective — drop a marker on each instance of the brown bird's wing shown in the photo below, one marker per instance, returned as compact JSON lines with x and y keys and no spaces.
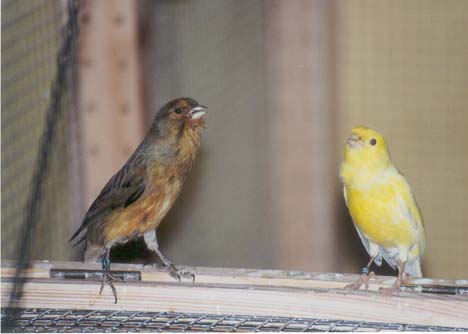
{"x":123,"y":189}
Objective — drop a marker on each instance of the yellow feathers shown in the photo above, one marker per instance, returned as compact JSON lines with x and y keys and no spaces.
{"x":381,"y":204}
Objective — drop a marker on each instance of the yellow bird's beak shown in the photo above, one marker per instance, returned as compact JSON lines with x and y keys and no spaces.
{"x":354,"y":141}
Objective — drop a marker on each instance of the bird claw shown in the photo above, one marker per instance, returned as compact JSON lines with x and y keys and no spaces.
{"x":363,"y":280}
{"x":395,"y":288}
{"x":179,"y":273}
{"x":108,"y":278}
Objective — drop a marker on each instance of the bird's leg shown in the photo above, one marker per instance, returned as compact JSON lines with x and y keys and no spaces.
{"x":106,"y":275}
{"x":171,"y":268}
{"x":365,"y":277}
{"x":396,"y":286}
{"x":152,"y":243}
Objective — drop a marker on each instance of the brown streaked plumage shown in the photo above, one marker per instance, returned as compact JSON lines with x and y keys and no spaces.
{"x":138,"y":196}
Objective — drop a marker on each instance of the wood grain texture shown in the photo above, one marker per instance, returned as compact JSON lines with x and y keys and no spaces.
{"x":301,"y":134}
{"x":111,"y":123}
{"x":241,"y":291}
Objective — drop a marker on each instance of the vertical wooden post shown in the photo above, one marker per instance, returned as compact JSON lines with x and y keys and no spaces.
{"x":303,"y":170}
{"x":111,"y":113}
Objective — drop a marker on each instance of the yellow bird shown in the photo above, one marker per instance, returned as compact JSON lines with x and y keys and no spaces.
{"x":382,"y":207}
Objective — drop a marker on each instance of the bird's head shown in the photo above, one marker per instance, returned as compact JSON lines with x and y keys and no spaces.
{"x":366,"y":148}
{"x":178,"y":116}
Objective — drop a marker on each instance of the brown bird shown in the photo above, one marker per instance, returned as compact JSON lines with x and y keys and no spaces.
{"x":138,"y":196}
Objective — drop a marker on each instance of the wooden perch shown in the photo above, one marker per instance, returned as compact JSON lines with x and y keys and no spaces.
{"x":243,"y":292}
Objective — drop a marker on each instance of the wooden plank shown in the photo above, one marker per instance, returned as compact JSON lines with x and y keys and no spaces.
{"x":110,"y":97}
{"x":198,"y":298}
{"x":205,"y":275}
{"x":240,"y":291}
{"x":301,"y":132}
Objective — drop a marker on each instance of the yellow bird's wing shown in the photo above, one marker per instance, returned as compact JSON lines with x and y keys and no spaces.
{"x":345,"y":195}
{"x":372,"y":248}
{"x":410,"y":209}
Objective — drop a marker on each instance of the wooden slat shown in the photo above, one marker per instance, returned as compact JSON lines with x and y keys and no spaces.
{"x":109,"y":96}
{"x":205,"y":275}
{"x":301,"y":133}
{"x":240,"y":291}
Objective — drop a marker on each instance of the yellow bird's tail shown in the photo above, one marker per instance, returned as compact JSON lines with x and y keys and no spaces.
{"x":414,"y":269}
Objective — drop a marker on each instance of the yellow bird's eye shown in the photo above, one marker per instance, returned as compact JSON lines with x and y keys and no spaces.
{"x":373,"y":141}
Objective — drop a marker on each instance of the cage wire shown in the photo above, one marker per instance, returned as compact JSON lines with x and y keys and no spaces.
{"x":31,"y":37}
{"x":63,"y":321}
{"x":38,"y":45}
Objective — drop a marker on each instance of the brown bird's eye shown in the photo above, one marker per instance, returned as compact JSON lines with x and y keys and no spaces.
{"x":373,"y":141}
{"x":178,"y":111}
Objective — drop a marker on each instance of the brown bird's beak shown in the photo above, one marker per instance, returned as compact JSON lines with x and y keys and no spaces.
{"x":197,"y":112}
{"x":354,"y":141}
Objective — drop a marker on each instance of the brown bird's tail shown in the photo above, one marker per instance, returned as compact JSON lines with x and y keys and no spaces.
{"x":76,"y":234}
{"x":79,"y":241}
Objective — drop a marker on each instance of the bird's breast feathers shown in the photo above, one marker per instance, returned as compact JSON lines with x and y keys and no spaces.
{"x":381,"y":211}
{"x":144,"y":214}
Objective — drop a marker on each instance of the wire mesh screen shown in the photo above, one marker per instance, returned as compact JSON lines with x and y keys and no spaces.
{"x":57,"y":320}
{"x":32,"y":33}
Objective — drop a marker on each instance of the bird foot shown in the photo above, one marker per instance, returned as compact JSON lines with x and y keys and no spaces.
{"x":179,"y":273}
{"x":395,"y":289}
{"x":107,"y":278}
{"x":363,"y":280}
{"x":173,"y":270}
